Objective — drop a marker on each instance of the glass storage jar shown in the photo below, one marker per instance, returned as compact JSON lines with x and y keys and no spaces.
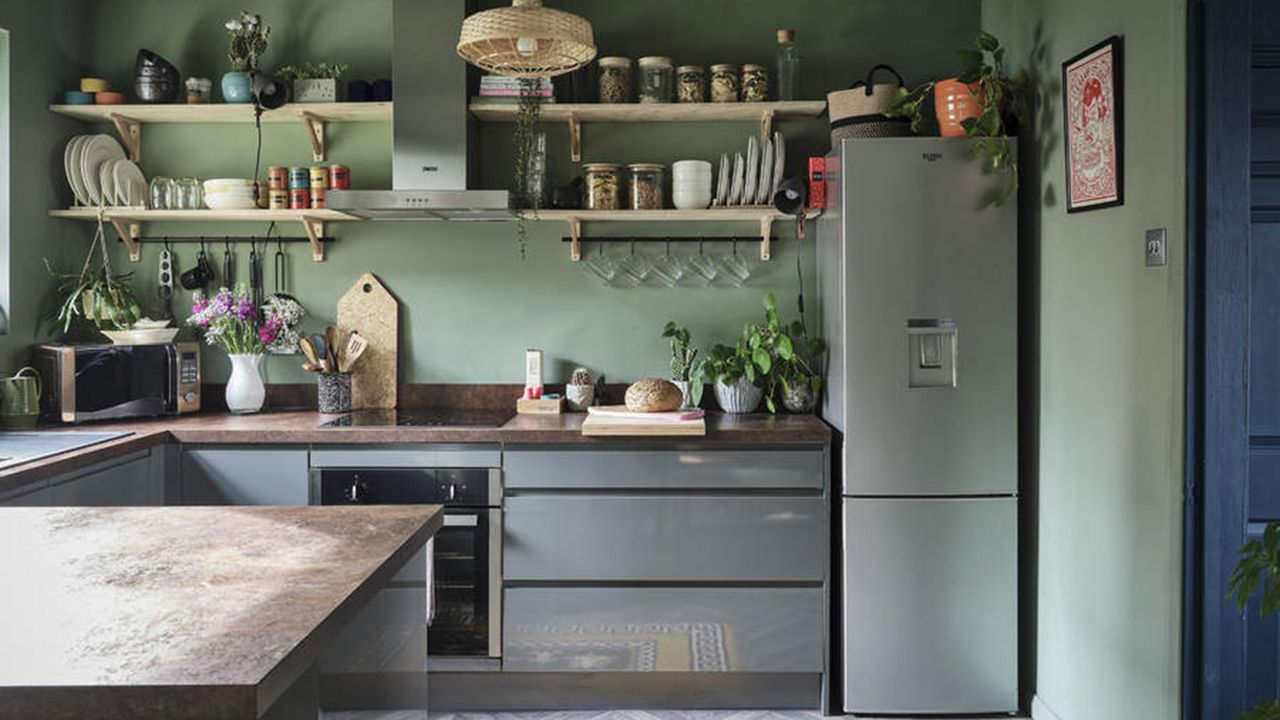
{"x":755,"y":83}
{"x":603,"y":188}
{"x":691,"y":84}
{"x":644,"y":189}
{"x":724,"y":83}
{"x":656,"y":80}
{"x":615,"y":80}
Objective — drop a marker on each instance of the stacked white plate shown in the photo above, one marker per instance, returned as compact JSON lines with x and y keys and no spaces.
{"x":691,"y":184}
{"x":89,"y":163}
{"x":230,"y":194}
{"x":752,"y":178}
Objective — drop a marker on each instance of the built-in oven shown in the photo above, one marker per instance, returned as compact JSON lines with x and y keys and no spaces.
{"x":466,"y":575}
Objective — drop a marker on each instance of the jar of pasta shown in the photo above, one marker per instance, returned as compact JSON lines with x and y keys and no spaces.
{"x":691,"y":84}
{"x":657,"y":82}
{"x":724,"y":83}
{"x":645,"y":186}
{"x":603,"y":188}
{"x":755,"y":83}
{"x":615,"y":80}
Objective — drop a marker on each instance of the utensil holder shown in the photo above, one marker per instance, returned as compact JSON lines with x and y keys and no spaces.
{"x":334,"y":391}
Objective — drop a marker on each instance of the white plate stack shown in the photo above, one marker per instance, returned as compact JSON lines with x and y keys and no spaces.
{"x":230,"y":194}
{"x":691,"y":184}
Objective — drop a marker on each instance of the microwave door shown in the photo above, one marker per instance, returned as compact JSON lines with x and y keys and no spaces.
{"x":122,"y":381}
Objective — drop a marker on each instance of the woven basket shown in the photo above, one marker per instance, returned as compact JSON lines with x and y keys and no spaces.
{"x":489,"y":40}
{"x":861,"y":111}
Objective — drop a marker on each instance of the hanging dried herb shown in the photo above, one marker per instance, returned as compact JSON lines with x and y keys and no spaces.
{"x":525,"y":139}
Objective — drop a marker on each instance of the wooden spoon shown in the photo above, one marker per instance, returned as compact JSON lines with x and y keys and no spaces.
{"x":310,"y":351}
{"x":356,"y":345}
{"x":334,"y":340}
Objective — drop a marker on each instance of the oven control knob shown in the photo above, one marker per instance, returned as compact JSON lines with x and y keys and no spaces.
{"x":358,"y":492}
{"x":189,"y":397}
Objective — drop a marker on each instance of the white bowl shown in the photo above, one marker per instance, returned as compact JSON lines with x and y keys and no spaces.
{"x":692,"y":200}
{"x":227,"y":183}
{"x":224,"y":202}
{"x":153,"y":336}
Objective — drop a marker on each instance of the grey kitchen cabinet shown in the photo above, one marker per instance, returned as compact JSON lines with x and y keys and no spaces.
{"x":129,"y":481}
{"x":627,"y":469}
{"x":676,"y":538}
{"x":241,"y":475}
{"x":664,"y":629}
{"x":37,"y":496}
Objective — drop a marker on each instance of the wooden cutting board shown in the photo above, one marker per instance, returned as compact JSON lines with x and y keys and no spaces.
{"x":370,"y":309}
{"x":622,"y":423}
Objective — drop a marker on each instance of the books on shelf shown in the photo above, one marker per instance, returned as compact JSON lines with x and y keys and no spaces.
{"x":507,"y":99}
{"x":502,"y":86}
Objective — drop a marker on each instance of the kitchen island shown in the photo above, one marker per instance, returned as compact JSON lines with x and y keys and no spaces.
{"x":186,"y":612}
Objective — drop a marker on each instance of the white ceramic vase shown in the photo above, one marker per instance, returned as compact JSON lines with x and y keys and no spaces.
{"x":685,"y":400}
{"x":740,"y":397}
{"x":245,"y":392}
{"x":579,"y":397}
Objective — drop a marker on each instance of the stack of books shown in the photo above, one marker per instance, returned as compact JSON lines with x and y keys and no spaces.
{"x":501,"y":88}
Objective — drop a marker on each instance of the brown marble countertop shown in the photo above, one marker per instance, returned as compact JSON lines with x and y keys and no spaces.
{"x":184,"y":612}
{"x":303,"y":427}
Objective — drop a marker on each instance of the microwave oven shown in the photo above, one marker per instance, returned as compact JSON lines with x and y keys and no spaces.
{"x":83,"y":383}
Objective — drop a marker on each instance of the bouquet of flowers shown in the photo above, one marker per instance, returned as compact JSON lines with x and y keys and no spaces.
{"x":230,"y":320}
{"x":248,"y":40}
{"x":289,"y":312}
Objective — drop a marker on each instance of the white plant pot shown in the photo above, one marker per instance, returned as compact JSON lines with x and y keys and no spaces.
{"x":579,"y":397}
{"x":320,"y":90}
{"x":740,"y":397}
{"x":245,"y":392}
{"x":686,"y":401}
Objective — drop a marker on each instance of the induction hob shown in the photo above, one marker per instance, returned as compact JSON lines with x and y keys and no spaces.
{"x":422,"y":417}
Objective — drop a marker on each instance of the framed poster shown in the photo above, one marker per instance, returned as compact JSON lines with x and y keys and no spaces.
{"x":1093,"y":127}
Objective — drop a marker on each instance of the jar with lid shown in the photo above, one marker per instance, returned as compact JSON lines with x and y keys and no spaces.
{"x":604,"y":182}
{"x":691,"y":84}
{"x":657,"y":82}
{"x":755,"y":83}
{"x":615,"y":80}
{"x":645,"y":186}
{"x":724,"y":83}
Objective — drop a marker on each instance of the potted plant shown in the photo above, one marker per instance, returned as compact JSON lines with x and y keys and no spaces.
{"x":95,"y":294}
{"x":683,"y":361}
{"x":313,"y":82}
{"x":1259,"y":567}
{"x":230,"y":321}
{"x":983,"y":101}
{"x":580,"y":391}
{"x":248,"y":42}
{"x":795,"y":373}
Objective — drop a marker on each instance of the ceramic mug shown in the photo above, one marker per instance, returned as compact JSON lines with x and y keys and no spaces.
{"x":20,"y":400}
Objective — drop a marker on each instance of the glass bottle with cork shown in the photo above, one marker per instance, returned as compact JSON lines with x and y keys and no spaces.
{"x":788,"y":72}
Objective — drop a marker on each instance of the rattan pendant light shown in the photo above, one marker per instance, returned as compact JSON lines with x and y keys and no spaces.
{"x":526,"y":40}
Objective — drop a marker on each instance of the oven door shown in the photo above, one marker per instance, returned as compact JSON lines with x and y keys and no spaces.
{"x":123,"y":381}
{"x":468,"y":591}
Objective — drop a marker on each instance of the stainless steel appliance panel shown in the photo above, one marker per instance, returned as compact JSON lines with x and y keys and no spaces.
{"x":930,"y":605}
{"x":681,"y":538}
{"x":559,"y":468}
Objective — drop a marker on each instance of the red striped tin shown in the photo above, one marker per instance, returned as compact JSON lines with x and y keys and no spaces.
{"x":339,"y":177}
{"x":299,"y":199}
{"x":317,"y":198}
{"x":278,"y":177}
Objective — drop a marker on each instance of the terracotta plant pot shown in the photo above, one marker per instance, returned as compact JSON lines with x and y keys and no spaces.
{"x":953,"y":103}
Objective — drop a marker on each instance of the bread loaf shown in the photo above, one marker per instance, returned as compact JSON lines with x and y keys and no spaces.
{"x":653,"y":395}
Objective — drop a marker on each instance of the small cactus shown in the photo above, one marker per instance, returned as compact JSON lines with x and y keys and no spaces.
{"x":580,"y":376}
{"x":683,"y":356}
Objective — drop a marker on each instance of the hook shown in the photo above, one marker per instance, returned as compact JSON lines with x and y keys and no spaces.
{"x":167,"y":247}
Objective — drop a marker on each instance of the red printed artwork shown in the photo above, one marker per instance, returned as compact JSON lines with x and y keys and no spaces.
{"x":1091,"y":105}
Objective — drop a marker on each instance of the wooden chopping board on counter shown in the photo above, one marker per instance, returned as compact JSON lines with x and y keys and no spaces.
{"x":371,"y":310}
{"x":617,"y":421}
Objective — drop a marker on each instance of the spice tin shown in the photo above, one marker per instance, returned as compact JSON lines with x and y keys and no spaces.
{"x":317,"y":198}
{"x":339,"y":177}
{"x":278,"y":177}
{"x":319,"y":177}
{"x":279,"y":199}
{"x":299,"y":178}
{"x":299,"y":199}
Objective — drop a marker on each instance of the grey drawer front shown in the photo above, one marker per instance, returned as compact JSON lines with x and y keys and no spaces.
{"x":686,"y":538}
{"x":663,"y":630}
{"x":407,"y":456}
{"x":641,"y":469}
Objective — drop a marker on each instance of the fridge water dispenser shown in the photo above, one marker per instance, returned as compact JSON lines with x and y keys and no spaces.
{"x":931,"y":353}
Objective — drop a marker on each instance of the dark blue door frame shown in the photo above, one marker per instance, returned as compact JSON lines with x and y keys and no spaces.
{"x":1217,"y":440}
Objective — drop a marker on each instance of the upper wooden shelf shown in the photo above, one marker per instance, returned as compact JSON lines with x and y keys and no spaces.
{"x":129,"y":119}
{"x":575,"y":114}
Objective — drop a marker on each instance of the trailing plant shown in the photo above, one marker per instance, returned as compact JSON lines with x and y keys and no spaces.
{"x":312,"y":71}
{"x":525,"y":139}
{"x":1001,"y":99}
{"x":95,"y":294}
{"x":683,"y":355}
{"x":248,"y":40}
{"x":1259,"y":567}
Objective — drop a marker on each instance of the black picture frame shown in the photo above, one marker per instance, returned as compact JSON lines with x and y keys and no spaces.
{"x":1116,"y":44}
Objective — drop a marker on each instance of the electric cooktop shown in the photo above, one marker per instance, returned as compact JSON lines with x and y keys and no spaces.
{"x":422,"y":417}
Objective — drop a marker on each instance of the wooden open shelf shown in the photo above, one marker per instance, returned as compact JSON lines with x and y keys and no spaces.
{"x":574,"y":115}
{"x":763,"y":215}
{"x":128,"y":119}
{"x":128,"y":221}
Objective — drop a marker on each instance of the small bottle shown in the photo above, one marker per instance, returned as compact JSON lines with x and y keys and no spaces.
{"x":788,"y":65}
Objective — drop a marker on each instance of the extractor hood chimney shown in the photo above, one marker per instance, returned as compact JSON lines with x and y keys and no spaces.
{"x":431,"y":130}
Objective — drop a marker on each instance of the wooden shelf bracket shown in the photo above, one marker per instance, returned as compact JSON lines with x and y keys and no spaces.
{"x":575,"y":138}
{"x":766,"y":123}
{"x":766,"y":237}
{"x":129,"y":232}
{"x":315,"y":133}
{"x":130,"y":132}
{"x":315,"y":233}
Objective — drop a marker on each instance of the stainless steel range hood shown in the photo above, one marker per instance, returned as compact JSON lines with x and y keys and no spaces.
{"x":431,"y":131}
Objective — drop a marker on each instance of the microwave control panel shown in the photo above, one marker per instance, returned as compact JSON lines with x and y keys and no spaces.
{"x":188,"y":377}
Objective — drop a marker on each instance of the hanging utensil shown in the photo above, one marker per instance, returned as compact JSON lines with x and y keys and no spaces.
{"x":228,"y":264}
{"x":165,"y":279}
{"x":281,"y":272}
{"x":355,"y":347}
{"x":255,"y":273}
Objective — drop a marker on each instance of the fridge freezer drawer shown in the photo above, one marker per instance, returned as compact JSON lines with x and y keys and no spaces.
{"x":930,"y":606}
{"x":690,"y":629}
{"x":560,"y":469}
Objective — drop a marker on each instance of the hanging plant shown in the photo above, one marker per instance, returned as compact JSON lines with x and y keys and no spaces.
{"x":526,"y":147}
{"x":95,"y":294}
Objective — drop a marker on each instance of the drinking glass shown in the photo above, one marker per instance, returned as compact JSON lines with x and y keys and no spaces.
{"x":705,"y":269}
{"x":635,"y":269}
{"x":669,"y":269}
{"x":600,"y":266}
{"x":158,"y":192}
{"x":189,"y":194}
{"x":734,"y":268}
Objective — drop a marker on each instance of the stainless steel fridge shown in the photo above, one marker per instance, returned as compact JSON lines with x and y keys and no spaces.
{"x":918,"y":289}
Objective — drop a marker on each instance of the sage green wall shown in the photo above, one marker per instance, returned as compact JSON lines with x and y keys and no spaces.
{"x":471,"y":304}
{"x":46,"y":42}
{"x":1106,"y":357}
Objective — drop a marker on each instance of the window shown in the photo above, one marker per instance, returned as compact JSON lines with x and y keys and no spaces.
{"x":5,"y":260}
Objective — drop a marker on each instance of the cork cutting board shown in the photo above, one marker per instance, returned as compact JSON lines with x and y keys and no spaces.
{"x":371,"y":310}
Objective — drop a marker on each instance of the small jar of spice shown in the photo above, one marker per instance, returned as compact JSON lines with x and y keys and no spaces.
{"x":691,"y":84}
{"x":724,"y":83}
{"x":604,"y":182}
{"x":755,"y":83}
{"x":645,"y":187}
{"x":615,"y":80}
{"x":656,"y":80}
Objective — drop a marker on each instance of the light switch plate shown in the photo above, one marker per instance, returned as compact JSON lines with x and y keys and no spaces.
{"x":1156,"y":247}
